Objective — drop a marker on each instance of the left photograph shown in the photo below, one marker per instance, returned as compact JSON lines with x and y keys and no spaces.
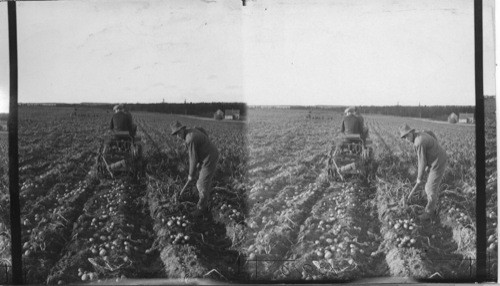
{"x":132,"y":151}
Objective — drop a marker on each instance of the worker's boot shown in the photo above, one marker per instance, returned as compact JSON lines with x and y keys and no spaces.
{"x":428,"y":215}
{"x":197,"y":213}
{"x":200,"y":212}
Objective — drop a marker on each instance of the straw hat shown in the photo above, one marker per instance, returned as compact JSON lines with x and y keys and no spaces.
{"x":119,"y":107}
{"x":176,"y":127}
{"x":404,"y":130}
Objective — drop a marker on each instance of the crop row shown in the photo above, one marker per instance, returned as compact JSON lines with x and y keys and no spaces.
{"x":304,"y":226}
{"x":337,"y":239}
{"x":276,"y":227}
{"x":55,"y":160}
{"x":187,"y":245}
{"x":110,"y":238}
{"x":412,"y":247}
{"x":63,"y":201}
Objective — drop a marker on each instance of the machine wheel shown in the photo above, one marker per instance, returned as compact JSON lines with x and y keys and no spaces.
{"x":355,"y":149}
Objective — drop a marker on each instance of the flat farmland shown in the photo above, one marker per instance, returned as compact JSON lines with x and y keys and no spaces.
{"x":79,"y":224}
{"x":306,"y":227}
{"x":275,"y":212}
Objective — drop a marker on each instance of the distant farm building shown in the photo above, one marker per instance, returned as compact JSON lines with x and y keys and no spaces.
{"x":466,"y":118}
{"x":219,"y":115}
{"x":232,"y":114}
{"x":453,"y":118}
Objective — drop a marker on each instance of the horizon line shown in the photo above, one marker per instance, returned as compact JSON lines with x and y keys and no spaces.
{"x":248,"y":105}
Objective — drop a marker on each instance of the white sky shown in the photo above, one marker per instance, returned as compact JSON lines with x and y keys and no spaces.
{"x":339,"y":52}
{"x":346,"y":52}
{"x":128,"y":51}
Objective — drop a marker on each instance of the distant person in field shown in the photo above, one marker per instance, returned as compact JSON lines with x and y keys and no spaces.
{"x":122,"y":121}
{"x":351,"y":124}
{"x":203,"y":155}
{"x":431,"y":156}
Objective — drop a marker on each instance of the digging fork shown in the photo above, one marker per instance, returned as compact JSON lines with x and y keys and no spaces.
{"x":182,"y":191}
{"x":411,"y":193}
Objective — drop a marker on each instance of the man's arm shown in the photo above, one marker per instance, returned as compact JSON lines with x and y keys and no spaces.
{"x":111,"y":126}
{"x":422,"y":163}
{"x":342,"y":127}
{"x":193,"y":157}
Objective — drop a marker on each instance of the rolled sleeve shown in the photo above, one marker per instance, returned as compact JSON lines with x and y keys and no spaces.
{"x":422,"y":163}
{"x":192,"y":156}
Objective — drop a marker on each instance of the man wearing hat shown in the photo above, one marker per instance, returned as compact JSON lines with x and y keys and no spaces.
{"x":432,"y":156}
{"x":202,"y":153}
{"x":351,"y":124}
{"x":122,"y":121}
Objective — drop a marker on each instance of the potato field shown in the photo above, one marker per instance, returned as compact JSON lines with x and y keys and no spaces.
{"x":306,"y":227}
{"x":79,"y":225}
{"x":276,"y":215}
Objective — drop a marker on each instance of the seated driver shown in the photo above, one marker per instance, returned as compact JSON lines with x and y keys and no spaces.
{"x":122,"y":121}
{"x":351,"y":124}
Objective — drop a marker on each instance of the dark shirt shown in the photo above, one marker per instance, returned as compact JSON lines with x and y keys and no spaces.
{"x":128,"y":114}
{"x":351,"y":125}
{"x":121,"y":122}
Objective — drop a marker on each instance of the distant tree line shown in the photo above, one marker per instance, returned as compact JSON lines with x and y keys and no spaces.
{"x":430,"y":112}
{"x":423,"y":111}
{"x":196,"y":109}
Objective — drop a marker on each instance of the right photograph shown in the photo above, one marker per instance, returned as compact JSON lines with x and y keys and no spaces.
{"x":361,"y":138}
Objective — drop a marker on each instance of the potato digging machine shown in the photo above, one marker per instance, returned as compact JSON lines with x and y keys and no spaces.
{"x":121,"y":155}
{"x":351,"y":157}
